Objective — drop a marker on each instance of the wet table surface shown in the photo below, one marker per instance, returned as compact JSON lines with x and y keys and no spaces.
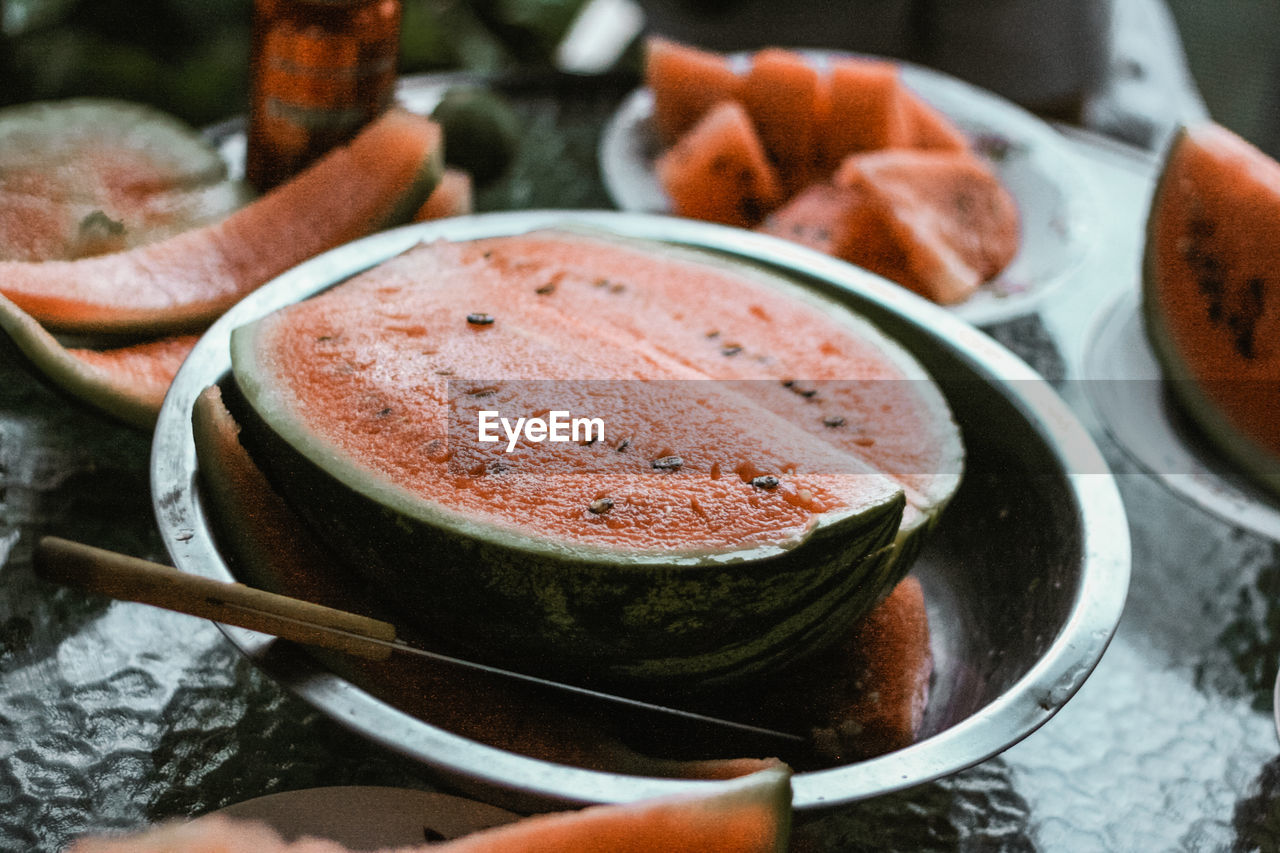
{"x":115,"y":715}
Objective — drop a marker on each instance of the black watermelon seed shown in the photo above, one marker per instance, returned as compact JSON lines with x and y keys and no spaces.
{"x":623,"y":445}
{"x":599,"y":506}
{"x":548,"y":288}
{"x":668,"y":463}
{"x":833,"y":421}
{"x":731,"y":349}
{"x":480,"y":319}
{"x":767,"y":481}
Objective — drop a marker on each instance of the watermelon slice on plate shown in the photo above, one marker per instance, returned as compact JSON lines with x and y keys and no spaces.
{"x":1036,"y":165}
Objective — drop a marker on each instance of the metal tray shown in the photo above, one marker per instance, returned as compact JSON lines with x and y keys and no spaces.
{"x":1025,"y":578}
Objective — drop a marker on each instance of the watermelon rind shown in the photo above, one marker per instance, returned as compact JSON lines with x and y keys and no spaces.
{"x":108,"y":394}
{"x":1255,"y":461}
{"x":681,"y":618}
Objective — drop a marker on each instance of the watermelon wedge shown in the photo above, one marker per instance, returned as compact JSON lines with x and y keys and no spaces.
{"x":182,"y":283}
{"x":785,"y":97}
{"x":1211,"y":296}
{"x":747,"y":815}
{"x":718,"y":171}
{"x":686,"y":82}
{"x":866,"y":109}
{"x":126,"y":382}
{"x":954,"y":222}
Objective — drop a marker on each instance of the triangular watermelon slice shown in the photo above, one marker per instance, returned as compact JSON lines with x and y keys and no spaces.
{"x":955,"y":223}
{"x":686,"y":82}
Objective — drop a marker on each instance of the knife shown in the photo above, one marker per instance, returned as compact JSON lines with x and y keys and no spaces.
{"x":126,"y":578}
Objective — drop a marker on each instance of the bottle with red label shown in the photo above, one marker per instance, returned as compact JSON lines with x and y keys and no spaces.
{"x":321,"y":70}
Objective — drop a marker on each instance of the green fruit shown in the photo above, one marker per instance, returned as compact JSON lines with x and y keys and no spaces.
{"x":481,"y":131}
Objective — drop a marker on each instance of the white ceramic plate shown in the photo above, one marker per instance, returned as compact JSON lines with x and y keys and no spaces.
{"x":369,"y":817}
{"x":1126,"y":388}
{"x":1031,"y":159}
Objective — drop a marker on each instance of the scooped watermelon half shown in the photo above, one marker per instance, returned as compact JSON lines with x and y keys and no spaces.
{"x":89,"y":176}
{"x":742,"y":511}
{"x":1211,"y":292}
{"x":118,"y":225}
{"x":747,"y":815}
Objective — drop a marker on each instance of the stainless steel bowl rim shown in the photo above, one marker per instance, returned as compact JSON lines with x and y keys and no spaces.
{"x":1019,"y":711}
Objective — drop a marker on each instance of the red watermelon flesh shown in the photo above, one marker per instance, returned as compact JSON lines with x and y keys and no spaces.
{"x":784,"y":95}
{"x":686,"y":82}
{"x":1211,"y":298}
{"x":956,"y":223}
{"x":718,"y":170}
{"x":840,"y":380}
{"x":866,"y":109}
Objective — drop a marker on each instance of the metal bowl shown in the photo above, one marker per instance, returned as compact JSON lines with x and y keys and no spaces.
{"x":1025,"y":578}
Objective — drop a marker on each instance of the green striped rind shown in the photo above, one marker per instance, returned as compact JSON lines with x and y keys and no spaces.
{"x":678,"y":620}
{"x":1256,"y":461}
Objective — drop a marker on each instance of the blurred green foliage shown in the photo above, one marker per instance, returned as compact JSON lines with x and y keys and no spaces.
{"x":190,"y":57}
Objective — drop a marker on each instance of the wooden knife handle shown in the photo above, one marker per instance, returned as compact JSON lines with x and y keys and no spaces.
{"x":130,"y":579}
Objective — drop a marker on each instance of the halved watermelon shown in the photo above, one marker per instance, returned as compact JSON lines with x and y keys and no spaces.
{"x":1211,"y":297}
{"x":686,"y":82}
{"x":718,"y":170}
{"x":182,"y":283}
{"x":873,"y":681}
{"x":747,"y":815}
{"x":552,"y":557}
